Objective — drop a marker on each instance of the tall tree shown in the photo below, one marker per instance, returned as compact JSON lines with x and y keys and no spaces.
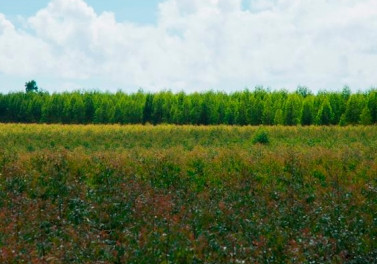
{"x":279,"y":117}
{"x":31,"y":86}
{"x":325,"y":114}
{"x":372,"y":105}
{"x":365,"y":116}
{"x":307,"y":117}
{"x":148,"y":109}
{"x":354,"y":108}
{"x":268,"y":111}
{"x":303,"y":91}
{"x":292,"y":110}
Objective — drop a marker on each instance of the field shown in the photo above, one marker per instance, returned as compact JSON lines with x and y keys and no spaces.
{"x":187,"y":194}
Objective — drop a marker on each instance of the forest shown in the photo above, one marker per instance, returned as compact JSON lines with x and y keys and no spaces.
{"x":248,"y":107}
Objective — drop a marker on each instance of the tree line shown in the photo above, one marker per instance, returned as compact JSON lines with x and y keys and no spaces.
{"x":249,"y":107}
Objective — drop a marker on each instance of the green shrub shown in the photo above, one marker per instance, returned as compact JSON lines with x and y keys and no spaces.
{"x":261,"y":137}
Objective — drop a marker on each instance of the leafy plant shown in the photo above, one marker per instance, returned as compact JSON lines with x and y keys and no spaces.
{"x":261,"y":137}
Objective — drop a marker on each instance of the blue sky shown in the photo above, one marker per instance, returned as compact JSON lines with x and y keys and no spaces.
{"x":189,"y":45}
{"x":138,"y":11}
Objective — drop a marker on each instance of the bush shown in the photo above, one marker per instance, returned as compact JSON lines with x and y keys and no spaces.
{"x":261,"y":137}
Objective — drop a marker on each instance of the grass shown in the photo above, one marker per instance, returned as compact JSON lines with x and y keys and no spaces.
{"x":186,"y":194}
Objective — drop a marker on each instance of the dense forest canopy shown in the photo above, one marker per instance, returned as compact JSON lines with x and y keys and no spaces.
{"x":256,"y":107}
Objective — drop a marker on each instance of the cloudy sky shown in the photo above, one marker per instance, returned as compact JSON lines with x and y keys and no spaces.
{"x":190,"y":45}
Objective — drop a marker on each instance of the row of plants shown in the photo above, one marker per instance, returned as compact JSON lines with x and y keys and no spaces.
{"x":256,"y":107}
{"x":29,"y":138}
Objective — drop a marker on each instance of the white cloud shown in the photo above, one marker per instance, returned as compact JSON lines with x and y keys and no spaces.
{"x":5,"y":25}
{"x":199,"y":45}
{"x":22,"y":54}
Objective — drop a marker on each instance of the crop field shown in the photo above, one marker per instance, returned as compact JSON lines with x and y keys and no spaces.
{"x":187,"y":194}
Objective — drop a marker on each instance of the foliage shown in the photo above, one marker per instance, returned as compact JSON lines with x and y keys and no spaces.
{"x":31,"y":86}
{"x":303,"y":91}
{"x":187,"y":194}
{"x":354,"y":109}
{"x":325,"y":114}
{"x":257,"y":107}
{"x":365,"y":116}
{"x":261,"y":136}
{"x":307,"y":112}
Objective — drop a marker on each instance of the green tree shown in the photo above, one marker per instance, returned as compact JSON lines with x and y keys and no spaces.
{"x":243,"y":113}
{"x":148,"y":109}
{"x":52,"y":109}
{"x":195,"y":108}
{"x":303,"y":91}
{"x":325,"y":114}
{"x":338,"y":106}
{"x":256,"y":111}
{"x":307,"y":112}
{"x":342,"y":121}
{"x":178,"y":109}
{"x":354,"y":108}
{"x":372,"y":105}
{"x":31,"y":86}
{"x":204,"y":114}
{"x":346,"y":93}
{"x":292,"y":110}
{"x":279,"y":117}
{"x":268,"y":111}
{"x":231,"y":113}
{"x":77,"y":109}
{"x":89,"y":107}
{"x":365,"y":116}
{"x":158,"y":108}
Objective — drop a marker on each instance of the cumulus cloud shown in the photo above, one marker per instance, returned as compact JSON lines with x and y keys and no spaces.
{"x":21,"y":53}
{"x":199,"y":45}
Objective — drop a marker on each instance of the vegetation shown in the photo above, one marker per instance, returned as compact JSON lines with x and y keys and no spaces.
{"x":261,"y":137}
{"x":188,"y":194}
{"x":257,"y":107}
{"x":31,"y":86}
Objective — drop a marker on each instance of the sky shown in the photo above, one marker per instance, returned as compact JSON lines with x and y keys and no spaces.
{"x":188,"y":45}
